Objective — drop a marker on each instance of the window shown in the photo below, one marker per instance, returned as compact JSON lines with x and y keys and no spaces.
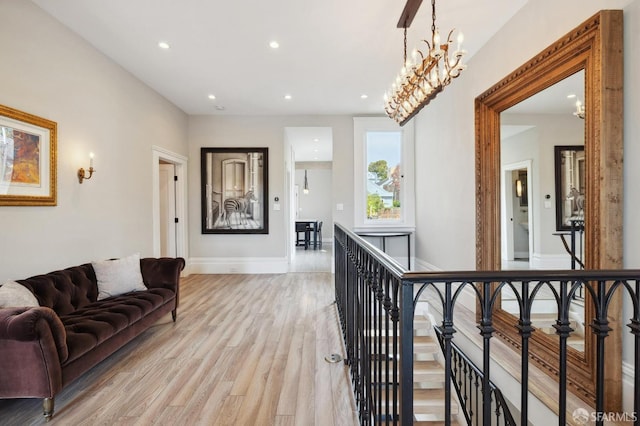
{"x":383,"y":167}
{"x":384,"y":183}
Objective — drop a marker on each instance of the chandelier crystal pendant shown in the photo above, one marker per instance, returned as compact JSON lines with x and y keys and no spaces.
{"x":424,"y":75}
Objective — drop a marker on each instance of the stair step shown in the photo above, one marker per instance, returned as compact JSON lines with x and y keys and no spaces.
{"x":428,"y":372}
{"x":427,"y":401}
{"x":441,"y":422}
{"x":431,"y":401}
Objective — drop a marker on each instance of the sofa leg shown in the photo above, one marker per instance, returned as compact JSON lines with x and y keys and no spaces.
{"x":47,"y":407}
{"x":174,"y":313}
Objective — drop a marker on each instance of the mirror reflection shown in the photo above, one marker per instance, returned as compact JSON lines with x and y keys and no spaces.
{"x":542,"y":193}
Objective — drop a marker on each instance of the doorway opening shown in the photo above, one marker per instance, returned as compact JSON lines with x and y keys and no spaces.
{"x":309,"y":159}
{"x":169,"y":204}
{"x":517,"y":216}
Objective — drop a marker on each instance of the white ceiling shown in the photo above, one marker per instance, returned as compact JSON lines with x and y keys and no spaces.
{"x":311,"y":143}
{"x":554,"y":99}
{"x":331,"y":51}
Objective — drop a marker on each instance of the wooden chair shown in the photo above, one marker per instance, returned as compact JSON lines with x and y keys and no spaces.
{"x":302,"y":227}
{"x":318,"y":240}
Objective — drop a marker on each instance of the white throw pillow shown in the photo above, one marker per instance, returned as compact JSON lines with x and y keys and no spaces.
{"x":118,"y":276}
{"x":13,"y":294}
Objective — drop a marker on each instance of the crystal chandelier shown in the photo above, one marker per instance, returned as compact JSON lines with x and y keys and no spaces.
{"x":423,"y":76}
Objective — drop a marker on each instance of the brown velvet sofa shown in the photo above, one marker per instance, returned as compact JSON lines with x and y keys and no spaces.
{"x":43,"y":349}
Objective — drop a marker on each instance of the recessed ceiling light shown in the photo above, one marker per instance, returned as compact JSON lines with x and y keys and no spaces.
{"x":287,"y":97}
{"x":316,"y":140}
{"x":274,"y":44}
{"x":163,"y":45}
{"x":212,"y":97}
{"x":363,"y":96}
{"x":571,"y":96}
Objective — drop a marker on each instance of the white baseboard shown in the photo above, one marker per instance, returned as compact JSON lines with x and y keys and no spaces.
{"x":422,"y":266}
{"x":238,"y":265}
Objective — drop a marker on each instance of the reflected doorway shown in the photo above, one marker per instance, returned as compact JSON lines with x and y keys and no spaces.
{"x":517,"y":216}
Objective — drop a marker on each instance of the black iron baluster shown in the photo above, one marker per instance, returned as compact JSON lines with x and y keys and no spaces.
{"x":562,"y":330}
{"x":486,"y":330}
{"x":601,"y":329}
{"x":525,"y":328}
{"x":476,"y":404}
{"x":406,"y":353}
{"x":386,"y":303}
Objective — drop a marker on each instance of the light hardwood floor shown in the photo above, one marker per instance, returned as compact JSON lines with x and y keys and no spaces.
{"x":312,"y":260}
{"x":246,"y":350}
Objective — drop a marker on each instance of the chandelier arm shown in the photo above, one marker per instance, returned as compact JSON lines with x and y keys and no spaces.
{"x":449,"y":36}
{"x":433,"y":16}
{"x":404,"y":61}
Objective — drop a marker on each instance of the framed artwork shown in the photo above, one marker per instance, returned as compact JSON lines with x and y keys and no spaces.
{"x":27,"y":159}
{"x":234,"y":189}
{"x":570,"y":185}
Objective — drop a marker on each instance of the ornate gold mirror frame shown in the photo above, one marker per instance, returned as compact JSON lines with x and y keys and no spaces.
{"x":595,"y":46}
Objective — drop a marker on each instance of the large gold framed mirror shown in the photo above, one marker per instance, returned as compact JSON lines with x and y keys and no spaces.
{"x":593,"y":49}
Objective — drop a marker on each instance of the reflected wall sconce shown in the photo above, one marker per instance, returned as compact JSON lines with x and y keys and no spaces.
{"x":580,"y":110}
{"x":519,"y":188}
{"x":305,"y":189}
{"x":82,"y":173}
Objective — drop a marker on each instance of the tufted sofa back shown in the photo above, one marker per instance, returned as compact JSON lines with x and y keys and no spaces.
{"x":64,"y":291}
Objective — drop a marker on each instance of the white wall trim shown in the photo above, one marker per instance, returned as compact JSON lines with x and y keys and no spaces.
{"x":238,"y":265}
{"x":421,"y":265}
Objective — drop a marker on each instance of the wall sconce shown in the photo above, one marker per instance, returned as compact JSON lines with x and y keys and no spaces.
{"x":82,"y":174}
{"x":305,"y":189}
{"x":518,"y":188}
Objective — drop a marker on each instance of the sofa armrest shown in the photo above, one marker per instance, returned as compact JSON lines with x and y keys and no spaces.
{"x":162,"y":272}
{"x":32,"y":350}
{"x":34,"y":324}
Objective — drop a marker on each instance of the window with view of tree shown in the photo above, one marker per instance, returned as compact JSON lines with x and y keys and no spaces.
{"x":383,"y":175}
{"x":383,"y":181}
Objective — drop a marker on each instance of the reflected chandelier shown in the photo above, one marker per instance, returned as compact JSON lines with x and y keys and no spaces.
{"x":423,"y":76}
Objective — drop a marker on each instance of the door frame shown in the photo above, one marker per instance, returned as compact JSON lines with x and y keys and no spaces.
{"x":507,"y":203}
{"x":180,"y":163}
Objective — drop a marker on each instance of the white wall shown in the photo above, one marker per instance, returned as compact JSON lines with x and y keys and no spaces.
{"x":49,"y":72}
{"x":262,"y":252}
{"x":445,"y":143}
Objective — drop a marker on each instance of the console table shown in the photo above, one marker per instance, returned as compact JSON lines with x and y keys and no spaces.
{"x":383,"y":238}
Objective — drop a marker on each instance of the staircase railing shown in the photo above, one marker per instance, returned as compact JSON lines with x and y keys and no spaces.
{"x":467,"y":380}
{"x":377,"y":298}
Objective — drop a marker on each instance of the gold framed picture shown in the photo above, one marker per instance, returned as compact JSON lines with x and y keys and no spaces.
{"x":27,"y":159}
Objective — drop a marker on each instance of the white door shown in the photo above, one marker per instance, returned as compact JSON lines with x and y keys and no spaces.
{"x":167,"y":210}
